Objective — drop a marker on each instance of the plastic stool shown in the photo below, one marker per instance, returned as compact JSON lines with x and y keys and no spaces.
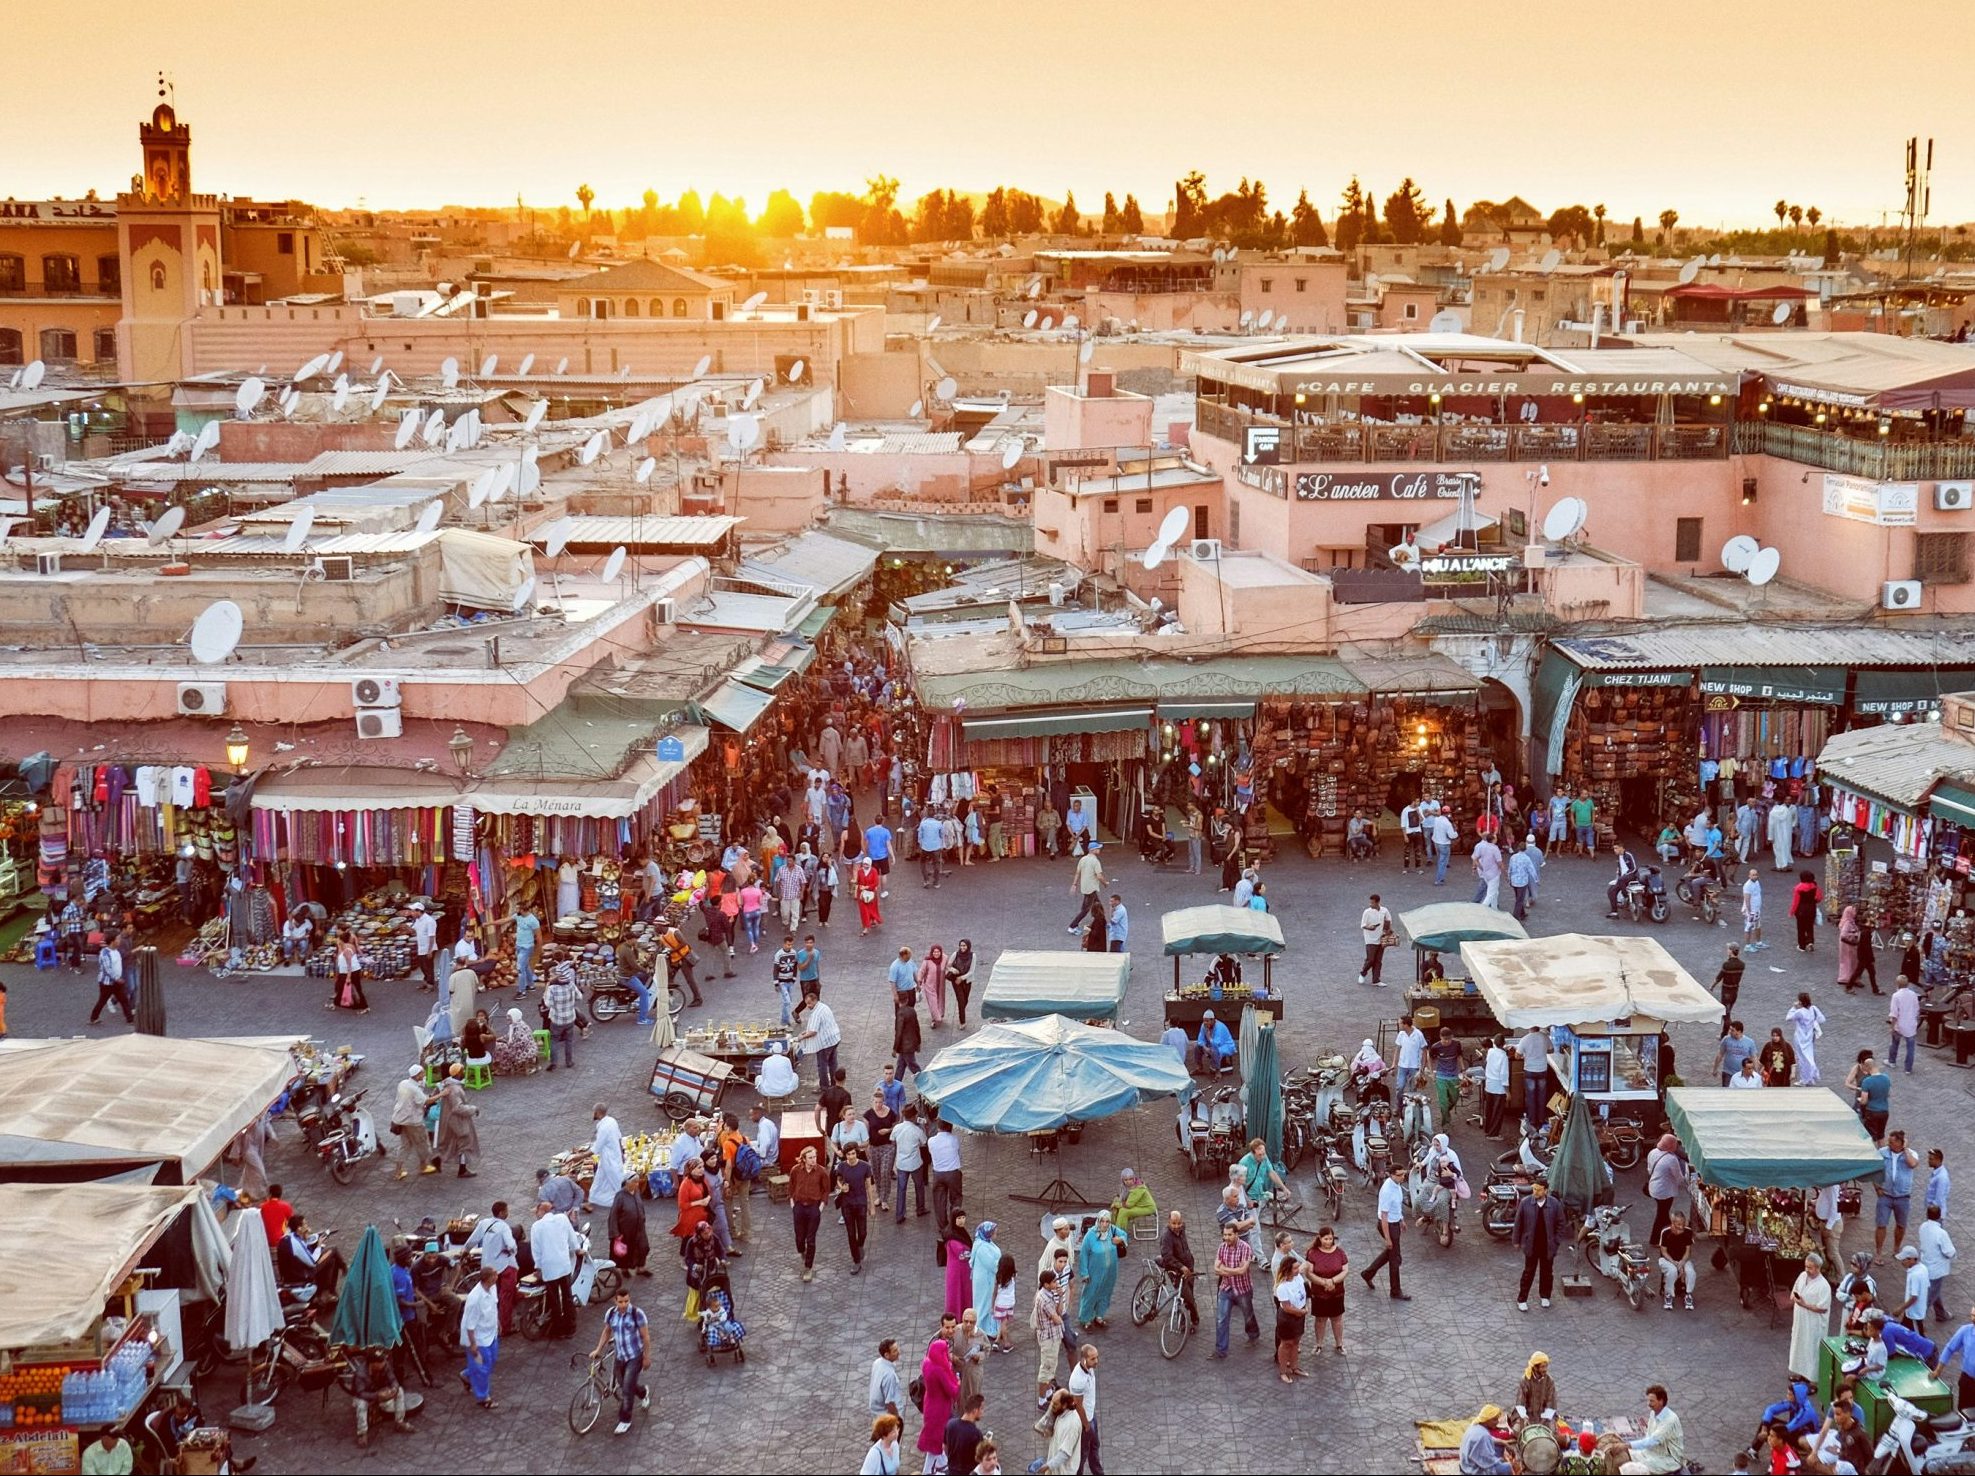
{"x":479,"y":1075}
{"x":46,"y":955}
{"x":435,"y":1074}
{"x":542,"y":1044}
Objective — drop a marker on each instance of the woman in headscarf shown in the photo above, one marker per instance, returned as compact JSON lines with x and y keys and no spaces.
{"x":459,"y":1135}
{"x":1134,"y":1201}
{"x":1808,"y":1022}
{"x":1666,"y":1181}
{"x":1440,"y":1171}
{"x":516,"y":1052}
{"x":986,"y":1262}
{"x":630,"y":1243}
{"x":932,"y":984}
{"x":1855,"y":952}
{"x":955,"y":1252}
{"x":969,"y":1354}
{"x":1097,"y":1267}
{"x":1804,"y":897}
{"x":960,"y":974}
{"x":1536,"y":1396}
{"x":866,"y":883}
{"x":1368,"y":1073}
{"x":942,"y":1385}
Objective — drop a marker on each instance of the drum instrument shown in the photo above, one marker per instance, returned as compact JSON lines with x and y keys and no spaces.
{"x":1538,"y":1449}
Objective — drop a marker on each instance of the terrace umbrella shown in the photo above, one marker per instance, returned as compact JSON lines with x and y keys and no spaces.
{"x":253,"y":1303}
{"x":1262,"y":1088}
{"x":1578,"y":1175}
{"x":150,"y":1018}
{"x":367,"y":1310}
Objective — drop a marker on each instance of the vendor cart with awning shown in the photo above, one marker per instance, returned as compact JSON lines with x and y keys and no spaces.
{"x":1026,"y":984}
{"x":1228,"y":935}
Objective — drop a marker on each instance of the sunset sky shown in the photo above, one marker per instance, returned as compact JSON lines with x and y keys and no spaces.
{"x":1709,"y":109}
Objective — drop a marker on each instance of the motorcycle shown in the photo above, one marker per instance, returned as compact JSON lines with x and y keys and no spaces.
{"x":608,"y":1001}
{"x":1530,"y":1158}
{"x":1328,"y":1109}
{"x":1371,"y":1150}
{"x":1214,"y":1132}
{"x":1502,"y":1198}
{"x":1644,"y":895}
{"x":1606,"y":1242}
{"x":596,"y":1280}
{"x":1701,"y":892}
{"x":1916,"y":1442}
{"x":1416,"y":1116}
{"x":347,"y":1137}
{"x":1622,"y":1141}
{"x":1435,"y":1195}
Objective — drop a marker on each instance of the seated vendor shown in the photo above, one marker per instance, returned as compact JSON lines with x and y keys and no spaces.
{"x":1226,"y":971}
{"x":1536,"y":1396}
{"x":1481,"y":1452}
{"x":1213,"y":1047}
{"x":1432,"y":971}
{"x":1134,"y":1202}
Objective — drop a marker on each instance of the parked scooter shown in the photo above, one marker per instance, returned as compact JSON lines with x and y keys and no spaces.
{"x":1416,"y":1116}
{"x":597,"y":1279}
{"x":1329,"y":1111}
{"x":1371,"y":1150}
{"x":1607,"y":1244}
{"x":1917,"y":1442}
{"x":1644,"y":895}
{"x":347,"y":1136}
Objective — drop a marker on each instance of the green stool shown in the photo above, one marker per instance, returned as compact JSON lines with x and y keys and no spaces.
{"x":435,"y":1074}
{"x":479,"y":1075}
{"x":542,"y":1044}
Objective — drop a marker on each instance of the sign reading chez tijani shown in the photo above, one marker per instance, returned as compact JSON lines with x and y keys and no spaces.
{"x":1361,"y":486}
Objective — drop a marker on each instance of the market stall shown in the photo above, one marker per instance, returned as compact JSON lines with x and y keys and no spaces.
{"x":1437,"y":932}
{"x":85,"y":1341}
{"x":744,"y":1045}
{"x":644,"y":1153}
{"x":1226,"y":935}
{"x":1026,"y":984}
{"x":1604,"y":1000}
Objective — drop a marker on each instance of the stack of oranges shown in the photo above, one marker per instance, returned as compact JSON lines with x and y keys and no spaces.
{"x":35,"y":1393}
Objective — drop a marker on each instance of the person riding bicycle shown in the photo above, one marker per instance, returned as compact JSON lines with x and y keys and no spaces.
{"x":1260,"y":1177}
{"x":1176,"y":1260}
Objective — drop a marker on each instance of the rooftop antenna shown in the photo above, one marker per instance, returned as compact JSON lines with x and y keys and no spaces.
{"x":796,"y":371}
{"x":562,"y":365}
{"x":592,"y":448}
{"x":946,"y":389}
{"x":699,"y":370}
{"x":168,"y":523}
{"x":918,"y":409}
{"x":1012,"y":453}
{"x":754,"y":301}
{"x":614,"y":565}
{"x":645,"y":469}
{"x":1498,"y":258}
{"x":839,"y":437}
{"x":535,"y":413}
{"x":932,"y":323}
{"x":1171,"y":530}
{"x":207,"y":438}
{"x":407,"y":428}
{"x":32,"y":376}
{"x":1552,"y":259}
{"x":216,"y":632}
{"x":1444,"y":321}
{"x":487,"y":366}
{"x":1029,"y":318}
{"x":435,"y":427}
{"x":1919,"y":196}
{"x":1689,"y":271}
{"x":379,"y":393}
{"x":1763,"y":566}
{"x":1738,"y":552}
{"x":339,"y":396}
{"x":449,"y":371}
{"x":93,"y":534}
{"x":1781,"y":315}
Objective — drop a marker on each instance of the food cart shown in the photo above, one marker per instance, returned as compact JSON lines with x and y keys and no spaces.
{"x":1438,"y":930}
{"x":1028,"y":984}
{"x":1217,"y":931}
{"x":689,"y":1082}
{"x":86,"y":1340}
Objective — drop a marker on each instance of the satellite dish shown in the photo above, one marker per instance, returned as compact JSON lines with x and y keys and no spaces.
{"x":1565,"y":519}
{"x":1035,"y":287}
{"x":449,"y":371}
{"x":339,"y":397}
{"x":1219,"y":256}
{"x":614,"y":565}
{"x":592,"y":448}
{"x":1738,"y":552}
{"x":481,"y":488}
{"x":1268,"y":317}
{"x":1070,"y":321}
{"x":429,"y":519}
{"x":93,"y":534}
{"x":435,"y":427}
{"x":574,"y":247}
{"x":526,"y":482}
{"x":291,"y":401}
{"x":376,"y":365}
{"x":207,"y":438}
{"x":169,"y":522}
{"x":625,"y":372}
{"x":1233,"y":252}
{"x":753,"y":393}
{"x":1247,"y":316}
{"x":407,"y":428}
{"x":562,"y":365}
{"x":639,"y":428}
{"x":333,"y":363}
{"x":556,"y":538}
{"x":32,"y":376}
{"x":1445,"y":321}
{"x":1763,"y":567}
{"x":7,"y":526}
{"x":932,"y":323}
{"x":645,"y":469}
{"x":298,"y":531}
{"x":743,"y":432}
{"x":1011,"y":453}
{"x":1087,"y":350}
{"x":1552,"y":259}
{"x":487,"y":366}
{"x":1154,"y":556}
{"x":178,"y":445}
{"x":1029,"y":318}
{"x":535,"y":413}
{"x":342,"y":383}
{"x":1498,"y":258}
{"x":527,"y":363}
{"x":699,"y":370}
{"x":524,"y":594}
{"x":918,"y":407}
{"x":216,"y":632}
{"x":251,"y":392}
{"x":312,"y":368}
{"x":754,"y":301}
{"x":1715,"y":260}
{"x":838,"y":437}
{"x":1174,"y":527}
{"x":1690,"y":271}
{"x":1781,"y":315}
{"x":797,"y":370}
{"x":947,"y":388}
{"x":378,"y":395}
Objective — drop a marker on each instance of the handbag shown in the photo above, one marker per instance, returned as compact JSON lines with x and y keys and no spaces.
{"x":1388,"y":939}
{"x":620,"y":1249}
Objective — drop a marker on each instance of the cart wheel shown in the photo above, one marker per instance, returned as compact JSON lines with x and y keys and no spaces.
{"x":677,"y":1106}
{"x":712,"y":1360}
{"x":609,"y":1279}
{"x":740,"y":1355}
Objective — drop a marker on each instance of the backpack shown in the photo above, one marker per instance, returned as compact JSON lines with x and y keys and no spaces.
{"x":916,"y":1392}
{"x":747,"y":1162}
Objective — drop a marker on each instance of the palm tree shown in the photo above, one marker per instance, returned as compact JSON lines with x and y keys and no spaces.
{"x":1782,"y":208}
{"x":1796,"y":215}
{"x":1813,"y":215}
{"x":1668,"y":220}
{"x":584,"y":195}
{"x":1599,"y":211}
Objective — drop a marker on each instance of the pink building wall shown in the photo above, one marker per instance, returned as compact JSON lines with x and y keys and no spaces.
{"x":1099,"y":416}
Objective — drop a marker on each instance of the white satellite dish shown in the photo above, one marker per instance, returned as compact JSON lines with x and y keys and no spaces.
{"x":312,"y":368}
{"x":1154,"y":556}
{"x":592,"y":448}
{"x":449,"y":371}
{"x":291,"y":401}
{"x":754,"y":301}
{"x":169,"y":522}
{"x":6,"y":527}
{"x":699,"y":370}
{"x":407,"y":428}
{"x":429,"y":519}
{"x":625,"y":372}
{"x":216,"y":632}
{"x":251,"y":392}
{"x":535,"y":413}
{"x":645,"y":469}
{"x":1011,"y":453}
{"x":32,"y":376}
{"x":527,"y":363}
{"x":1035,"y":287}
{"x":481,"y":489}
{"x":1565,"y":519}
{"x":339,"y":397}
{"x":435,"y":428}
{"x":1781,"y":315}
{"x":526,"y":482}
{"x":562,"y":365}
{"x":14,"y":379}
{"x":574,"y":247}
{"x":918,"y":407}
{"x":378,"y":394}
{"x":93,"y":534}
{"x":333,"y":363}
{"x":1552,"y":259}
{"x":639,"y":428}
{"x":1268,"y":317}
{"x":797,"y":370}
{"x":838,"y":437}
{"x":753,"y":393}
{"x":342,"y":383}
{"x":1070,"y":321}
{"x":1029,"y":318}
{"x":530,"y":454}
{"x":1715,"y":260}
{"x":1233,"y":252}
{"x":207,"y":438}
{"x":1174,"y":527}
{"x":1738,"y":552}
{"x":556,"y":538}
{"x":1689,"y":271}
{"x":743,"y":432}
{"x":947,"y":388}
{"x":178,"y":445}
{"x":932,"y":323}
{"x":1219,"y":256}
{"x":487,"y":366}
{"x":1247,"y":317}
{"x":614,"y":565}
{"x":1444,"y":321}
{"x":1763,"y":567}
{"x":376,"y":365}
{"x":524,"y":594}
{"x":1087,"y":351}
{"x":1498,"y":258}
{"x":298,"y":531}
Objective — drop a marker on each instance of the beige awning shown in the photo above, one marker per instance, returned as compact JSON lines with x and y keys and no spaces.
{"x":1576,"y":979}
{"x":598,"y":799}
{"x":67,"y":1247}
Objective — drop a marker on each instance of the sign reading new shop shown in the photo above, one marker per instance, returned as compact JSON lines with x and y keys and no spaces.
{"x":1823,"y":686}
{"x":1404,"y":486}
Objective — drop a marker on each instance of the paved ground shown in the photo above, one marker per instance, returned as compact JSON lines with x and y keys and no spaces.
{"x":797,"y":1405}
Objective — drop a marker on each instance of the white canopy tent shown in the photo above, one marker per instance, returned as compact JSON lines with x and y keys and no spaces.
{"x":67,"y":1247}
{"x":1577,"y":979}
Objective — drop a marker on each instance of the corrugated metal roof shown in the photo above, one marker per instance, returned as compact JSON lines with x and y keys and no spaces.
{"x":1066,"y":683}
{"x":210,"y":470}
{"x":1900,"y":762}
{"x":903,"y":443}
{"x":730,"y":610}
{"x":1742,"y":643}
{"x":968,"y":533}
{"x":361,"y":463}
{"x":258,"y":545}
{"x":830,"y":566}
{"x":665,"y":532}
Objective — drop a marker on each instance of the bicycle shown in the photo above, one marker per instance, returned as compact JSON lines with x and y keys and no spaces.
{"x":598,"y":1388}
{"x":1158,"y":1291}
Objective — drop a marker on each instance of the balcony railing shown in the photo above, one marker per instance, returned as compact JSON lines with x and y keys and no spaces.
{"x":1881,"y":460}
{"x":1359,"y":441}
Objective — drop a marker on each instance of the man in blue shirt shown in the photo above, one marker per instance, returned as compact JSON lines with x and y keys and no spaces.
{"x":1961,"y":1346}
{"x":904,"y":979}
{"x":1213,"y":1047}
{"x":527,"y":926}
{"x":931,"y":843}
{"x":1937,"y":1183}
{"x":1117,"y":925}
{"x":877,"y":845}
{"x":1736,"y":1047}
{"x":1078,"y":824}
{"x":1895,"y":1191}
{"x":891,"y":1088}
{"x":809,"y":966}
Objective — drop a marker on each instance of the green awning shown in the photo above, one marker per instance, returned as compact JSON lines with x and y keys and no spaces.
{"x":1181,"y":707}
{"x":1026,"y":985}
{"x":1051,"y":724}
{"x":766,"y":678}
{"x":1952,"y":803}
{"x":1822,"y":686}
{"x":1215,"y":928}
{"x":736,"y":705}
{"x":1801,"y":1139}
{"x":1889,"y":692}
{"x":1442,"y":927}
{"x":816,"y":621}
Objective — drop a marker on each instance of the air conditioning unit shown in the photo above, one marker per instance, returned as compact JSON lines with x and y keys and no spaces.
{"x":812,"y":296}
{"x":375,"y":692}
{"x":1900,"y":594}
{"x":666,"y":611}
{"x":1205,"y":548}
{"x":340,"y":568}
{"x":381,"y":722}
{"x":832,"y":297}
{"x":47,"y":563}
{"x":201,"y":699}
{"x":1954,"y":496}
